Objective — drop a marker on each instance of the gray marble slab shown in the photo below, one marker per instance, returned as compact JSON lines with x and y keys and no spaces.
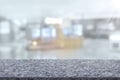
{"x":59,"y":68}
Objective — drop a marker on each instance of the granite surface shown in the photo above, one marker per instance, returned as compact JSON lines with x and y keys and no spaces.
{"x":59,"y":68}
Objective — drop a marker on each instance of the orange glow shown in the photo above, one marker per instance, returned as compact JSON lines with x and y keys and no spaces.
{"x":34,"y":43}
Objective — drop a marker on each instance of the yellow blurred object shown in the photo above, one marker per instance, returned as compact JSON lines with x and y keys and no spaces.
{"x":61,"y":41}
{"x":67,"y":42}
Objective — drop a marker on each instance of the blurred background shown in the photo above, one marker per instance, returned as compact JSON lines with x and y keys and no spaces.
{"x":59,"y":29}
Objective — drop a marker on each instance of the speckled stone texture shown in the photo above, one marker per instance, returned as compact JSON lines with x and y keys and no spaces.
{"x":59,"y":68}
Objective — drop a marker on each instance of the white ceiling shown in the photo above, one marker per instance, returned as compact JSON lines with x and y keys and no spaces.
{"x":36,"y":8}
